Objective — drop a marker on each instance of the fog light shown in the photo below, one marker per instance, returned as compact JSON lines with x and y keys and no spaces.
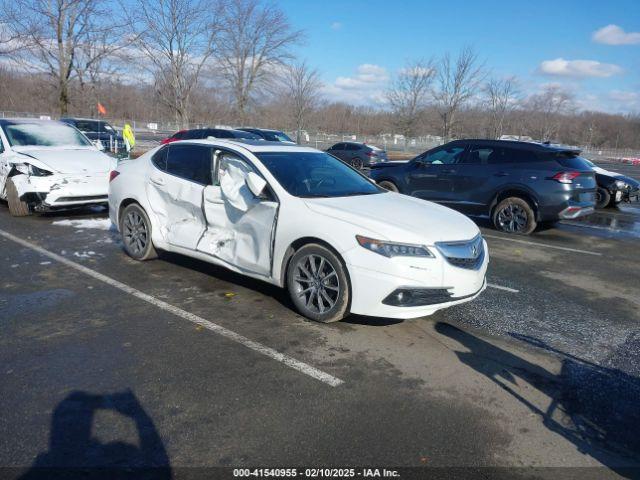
{"x":413,"y":297}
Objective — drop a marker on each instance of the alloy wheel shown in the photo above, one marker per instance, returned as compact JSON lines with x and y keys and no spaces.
{"x":135,"y":233}
{"x":512,"y":218}
{"x":316,"y":283}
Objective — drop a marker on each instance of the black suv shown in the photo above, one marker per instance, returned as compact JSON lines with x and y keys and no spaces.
{"x":516,"y":184}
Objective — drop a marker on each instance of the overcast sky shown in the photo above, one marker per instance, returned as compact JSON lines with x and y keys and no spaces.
{"x":591,"y":47}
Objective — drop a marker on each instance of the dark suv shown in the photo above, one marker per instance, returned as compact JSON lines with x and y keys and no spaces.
{"x":516,"y":184}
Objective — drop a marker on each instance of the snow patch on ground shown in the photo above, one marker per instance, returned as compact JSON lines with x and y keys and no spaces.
{"x":84,"y":254}
{"x":91,"y":223}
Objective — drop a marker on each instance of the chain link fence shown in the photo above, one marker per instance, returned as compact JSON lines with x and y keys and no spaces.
{"x":150,"y":132}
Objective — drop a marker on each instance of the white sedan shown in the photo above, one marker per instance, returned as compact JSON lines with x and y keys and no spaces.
{"x":299,"y":218}
{"x":46,"y":165}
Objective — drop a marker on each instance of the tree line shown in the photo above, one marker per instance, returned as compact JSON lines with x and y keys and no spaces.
{"x":232,"y":62}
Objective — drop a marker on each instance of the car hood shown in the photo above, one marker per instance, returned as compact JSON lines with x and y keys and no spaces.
{"x":398,"y":218}
{"x":65,"y":160}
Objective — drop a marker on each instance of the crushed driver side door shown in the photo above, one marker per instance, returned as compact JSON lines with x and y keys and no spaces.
{"x":240,"y":226}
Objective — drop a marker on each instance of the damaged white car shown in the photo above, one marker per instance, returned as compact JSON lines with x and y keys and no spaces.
{"x":300,"y":219}
{"x":46,"y":165}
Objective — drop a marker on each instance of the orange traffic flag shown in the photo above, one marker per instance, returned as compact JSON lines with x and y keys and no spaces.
{"x":101,"y":109}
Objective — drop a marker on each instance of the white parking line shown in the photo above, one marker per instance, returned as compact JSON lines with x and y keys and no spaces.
{"x":236,"y":337}
{"x":500,"y":287}
{"x":556,"y":247}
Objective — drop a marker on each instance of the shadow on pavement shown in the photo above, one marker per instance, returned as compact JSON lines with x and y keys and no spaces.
{"x":75,"y":453}
{"x":595,"y":408}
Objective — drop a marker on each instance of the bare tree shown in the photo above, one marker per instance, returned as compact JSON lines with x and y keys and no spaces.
{"x":52,"y":34}
{"x":458,"y":81}
{"x":502,"y":98}
{"x":408,"y":95}
{"x":546,"y":110}
{"x":176,"y":38}
{"x":255,"y":40}
{"x":301,"y":88}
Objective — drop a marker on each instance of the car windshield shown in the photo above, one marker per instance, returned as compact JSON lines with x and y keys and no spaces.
{"x":246,"y":135}
{"x":44,"y":134}
{"x":278,"y":137}
{"x":311,"y":174}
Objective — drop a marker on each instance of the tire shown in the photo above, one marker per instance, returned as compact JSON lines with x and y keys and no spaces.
{"x":135,"y":229}
{"x":514,"y":215}
{"x":603,"y":197}
{"x":330,"y":303}
{"x":357,"y":163}
{"x":17,"y":208}
{"x":389,"y":185}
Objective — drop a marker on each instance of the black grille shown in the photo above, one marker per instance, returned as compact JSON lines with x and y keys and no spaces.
{"x":466,"y":254}
{"x":83,"y":199}
{"x":468,"y":263}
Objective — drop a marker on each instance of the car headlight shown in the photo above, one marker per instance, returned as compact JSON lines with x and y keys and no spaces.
{"x":393,"y":249}
{"x":29,"y":169}
{"x":620,"y":184}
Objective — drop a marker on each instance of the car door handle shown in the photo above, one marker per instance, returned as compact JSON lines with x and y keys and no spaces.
{"x":449,"y":171}
{"x":157,"y":181}
{"x":501,"y":174}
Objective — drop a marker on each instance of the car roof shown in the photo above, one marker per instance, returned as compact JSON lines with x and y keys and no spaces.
{"x":537,"y":146}
{"x":85,"y":119}
{"x":253,"y":146}
{"x":254,"y":129}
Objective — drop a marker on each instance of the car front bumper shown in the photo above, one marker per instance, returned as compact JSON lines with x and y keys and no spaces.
{"x":374,"y":279}
{"x":62,"y":190}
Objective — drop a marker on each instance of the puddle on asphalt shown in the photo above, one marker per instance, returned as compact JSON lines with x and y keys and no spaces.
{"x":623,"y":221}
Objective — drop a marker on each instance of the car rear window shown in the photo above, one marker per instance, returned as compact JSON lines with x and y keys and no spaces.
{"x":573,"y":162}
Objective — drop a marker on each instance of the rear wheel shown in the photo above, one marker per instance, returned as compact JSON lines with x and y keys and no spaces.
{"x":603,"y":197}
{"x":135,"y":229}
{"x":514,"y":215}
{"x":318,"y":284}
{"x":388,"y":185}
{"x":17,"y":207}
{"x":357,"y":163}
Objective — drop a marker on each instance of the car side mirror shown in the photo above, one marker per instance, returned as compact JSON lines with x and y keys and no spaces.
{"x":255,"y":183}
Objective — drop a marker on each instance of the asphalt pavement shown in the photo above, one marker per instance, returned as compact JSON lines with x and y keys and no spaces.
{"x":175,"y":363}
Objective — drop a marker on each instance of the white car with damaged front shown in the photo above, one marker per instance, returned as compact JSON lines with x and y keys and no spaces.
{"x":47,"y":165}
{"x":300,"y":219}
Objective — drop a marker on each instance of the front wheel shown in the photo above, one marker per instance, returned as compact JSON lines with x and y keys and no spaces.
{"x":514,"y":215}
{"x":603,"y":197}
{"x":17,"y":208}
{"x":318,"y":284}
{"x":135,"y":228}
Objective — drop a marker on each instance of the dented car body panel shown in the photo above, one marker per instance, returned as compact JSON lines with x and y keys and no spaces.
{"x":216,"y":217}
{"x":51,"y":176}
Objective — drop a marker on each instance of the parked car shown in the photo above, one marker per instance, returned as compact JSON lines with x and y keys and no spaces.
{"x":46,"y":165}
{"x":299,"y":218}
{"x":95,"y":129}
{"x":614,"y":188}
{"x":271,"y":135}
{"x":359,"y":155}
{"x":200,"y":133}
{"x":516,"y":184}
